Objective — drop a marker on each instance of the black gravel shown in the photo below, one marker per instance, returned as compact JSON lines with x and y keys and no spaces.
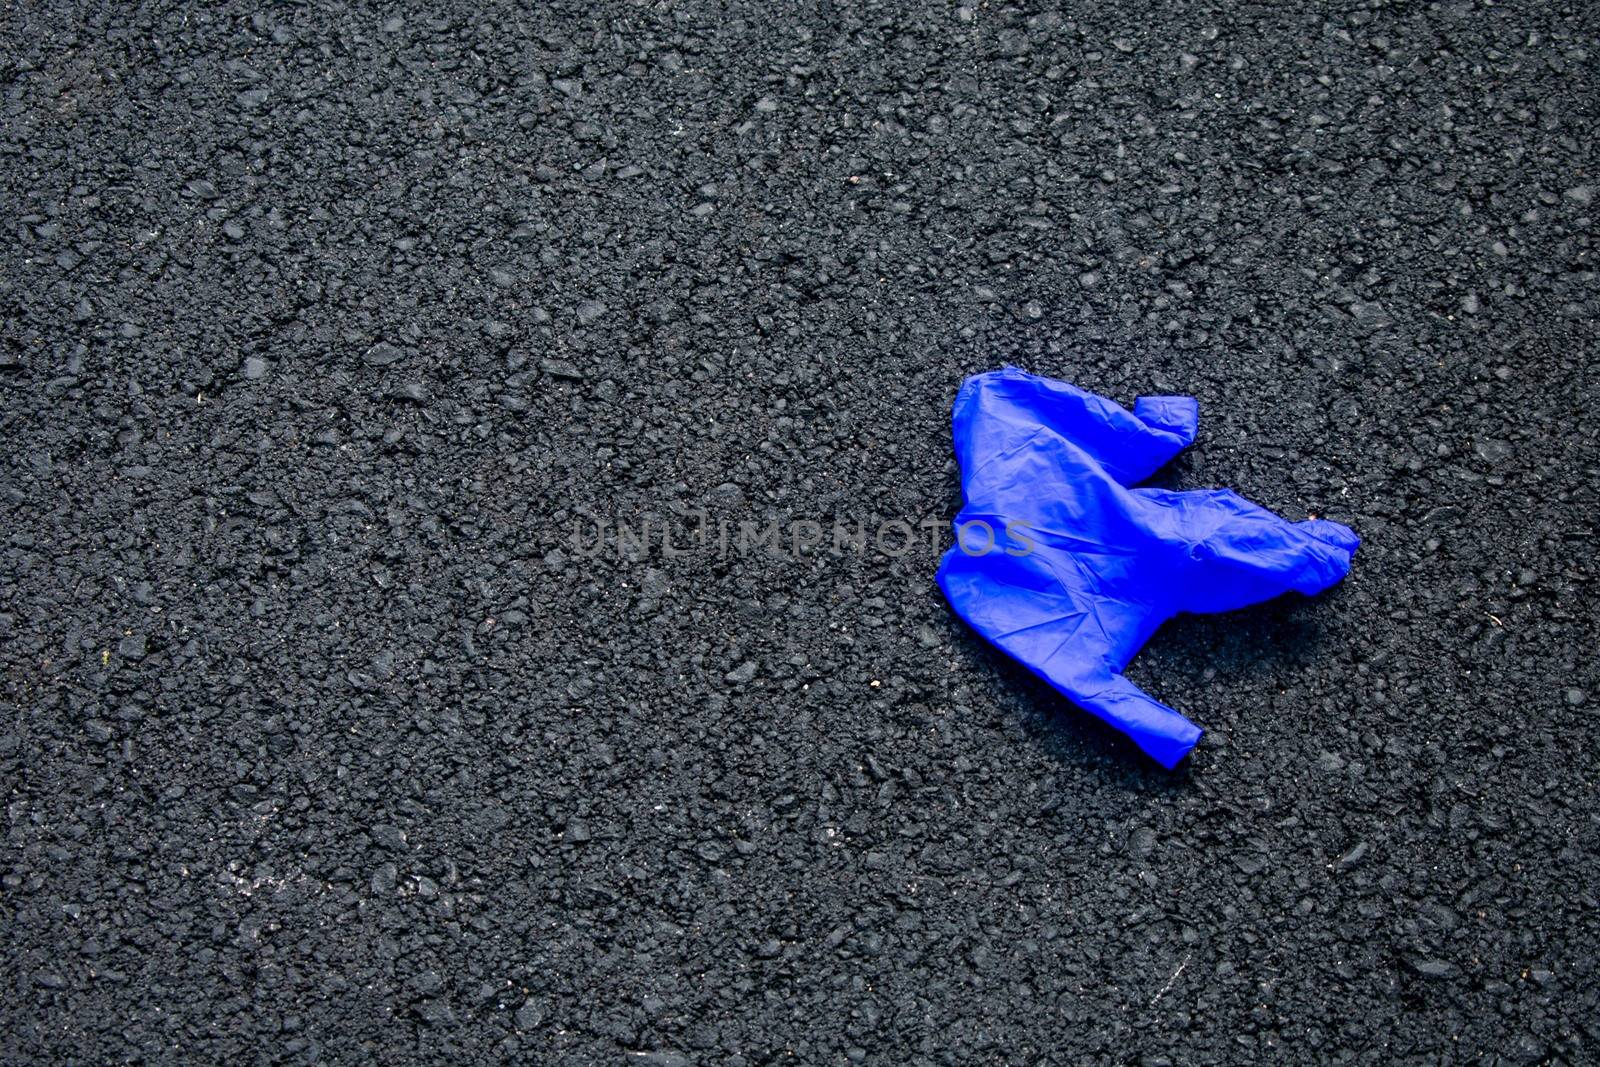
{"x":324,"y":327}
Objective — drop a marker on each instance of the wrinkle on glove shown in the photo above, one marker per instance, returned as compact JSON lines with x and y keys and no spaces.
{"x":1077,"y":569}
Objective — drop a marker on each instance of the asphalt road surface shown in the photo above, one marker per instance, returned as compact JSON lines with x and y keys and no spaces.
{"x":424,"y":635}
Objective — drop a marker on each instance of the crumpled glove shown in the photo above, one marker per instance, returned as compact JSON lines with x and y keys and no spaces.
{"x":1063,"y":566}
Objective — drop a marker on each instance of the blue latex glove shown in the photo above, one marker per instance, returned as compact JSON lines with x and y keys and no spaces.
{"x":1083,"y":569}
